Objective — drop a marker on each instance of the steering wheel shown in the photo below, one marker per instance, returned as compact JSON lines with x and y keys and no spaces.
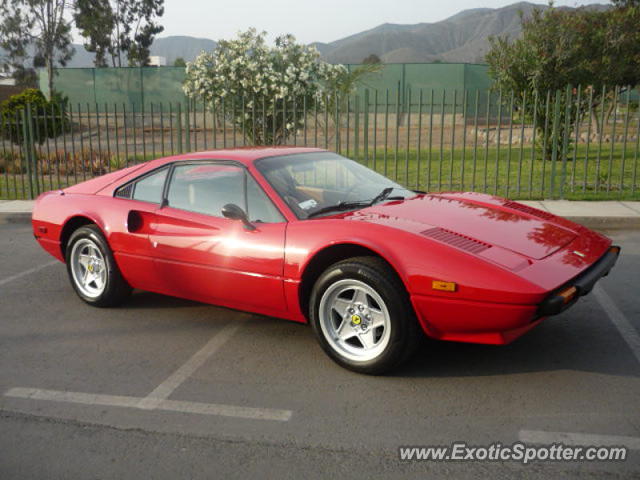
{"x":348,"y":193}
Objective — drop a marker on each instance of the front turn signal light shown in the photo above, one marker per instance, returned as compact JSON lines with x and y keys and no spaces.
{"x":444,"y":286}
{"x":567,"y":294}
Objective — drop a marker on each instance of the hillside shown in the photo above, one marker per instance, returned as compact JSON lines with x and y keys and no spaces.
{"x":181,"y":46}
{"x":168,"y":47}
{"x":462,"y":38}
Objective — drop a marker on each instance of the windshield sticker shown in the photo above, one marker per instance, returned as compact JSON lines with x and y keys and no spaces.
{"x":307,"y":204}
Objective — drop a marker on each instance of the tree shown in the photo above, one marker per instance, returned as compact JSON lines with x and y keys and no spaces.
{"x":42,"y":113}
{"x":25,"y":77}
{"x":343,"y":83}
{"x":117,"y":27}
{"x":621,"y":45}
{"x":41,"y":25}
{"x":141,"y":14}
{"x":96,"y":23}
{"x":372,"y":59}
{"x":179,"y":62}
{"x":626,"y":3}
{"x":245,"y":75}
{"x":561,"y":48}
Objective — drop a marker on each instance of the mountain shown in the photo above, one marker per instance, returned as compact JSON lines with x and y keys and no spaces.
{"x":462,"y":38}
{"x":181,"y":46}
{"x":168,"y":47}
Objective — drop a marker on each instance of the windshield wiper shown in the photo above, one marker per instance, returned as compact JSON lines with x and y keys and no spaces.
{"x":383,"y":195}
{"x":338,"y":207}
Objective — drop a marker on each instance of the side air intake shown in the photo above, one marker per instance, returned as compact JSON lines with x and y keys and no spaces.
{"x":456,"y":240}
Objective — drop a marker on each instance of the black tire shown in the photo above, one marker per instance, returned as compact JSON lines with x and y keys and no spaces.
{"x":115,"y":289}
{"x":405,"y":333}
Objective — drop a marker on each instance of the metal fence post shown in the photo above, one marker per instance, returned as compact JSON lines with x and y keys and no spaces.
{"x":554,"y":137}
{"x":179,"y":126}
{"x":188,"y":127}
{"x":32,"y":150}
{"x":565,"y":138}
{"x":365,"y":140}
{"x":26,"y":148}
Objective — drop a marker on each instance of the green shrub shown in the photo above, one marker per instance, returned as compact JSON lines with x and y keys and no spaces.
{"x":48,"y":118}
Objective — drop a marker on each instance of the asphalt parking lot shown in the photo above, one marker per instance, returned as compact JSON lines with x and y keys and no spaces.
{"x":166,"y":388}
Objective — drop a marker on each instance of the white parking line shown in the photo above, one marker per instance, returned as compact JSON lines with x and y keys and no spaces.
{"x":158,"y":399}
{"x":624,"y":326}
{"x":566,"y":438}
{"x":4,"y":281}
{"x":167,"y":405}
{"x":72,"y":397}
{"x":167,"y":387}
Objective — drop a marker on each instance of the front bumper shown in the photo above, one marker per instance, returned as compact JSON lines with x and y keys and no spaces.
{"x":565,"y":296}
{"x":496,"y":323}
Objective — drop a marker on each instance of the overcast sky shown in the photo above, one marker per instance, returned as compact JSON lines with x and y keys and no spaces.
{"x":309,"y":21}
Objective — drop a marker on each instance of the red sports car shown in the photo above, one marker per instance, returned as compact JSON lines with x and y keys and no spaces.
{"x":307,"y":235}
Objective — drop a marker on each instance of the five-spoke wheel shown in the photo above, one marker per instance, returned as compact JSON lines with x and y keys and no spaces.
{"x":92,"y":269}
{"x":354,"y":319}
{"x":88,"y":267}
{"x":361,"y":314}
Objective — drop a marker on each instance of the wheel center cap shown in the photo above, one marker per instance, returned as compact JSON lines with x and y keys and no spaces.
{"x":356,"y":319}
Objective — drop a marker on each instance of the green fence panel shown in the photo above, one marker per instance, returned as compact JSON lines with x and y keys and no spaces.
{"x":118,"y":85}
{"x":77,"y":84}
{"x":163,"y":85}
{"x":389,"y":77}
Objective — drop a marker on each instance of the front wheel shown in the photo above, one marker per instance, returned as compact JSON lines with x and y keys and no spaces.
{"x":362,"y":317}
{"x":92,"y":269}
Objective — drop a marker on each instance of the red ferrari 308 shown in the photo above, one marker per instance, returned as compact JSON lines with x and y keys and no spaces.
{"x":308,"y":235}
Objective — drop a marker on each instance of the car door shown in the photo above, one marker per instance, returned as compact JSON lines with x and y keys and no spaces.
{"x":132,"y":214}
{"x":201,"y":255}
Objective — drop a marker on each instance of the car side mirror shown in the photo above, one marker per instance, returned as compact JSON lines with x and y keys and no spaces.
{"x":234,"y":212}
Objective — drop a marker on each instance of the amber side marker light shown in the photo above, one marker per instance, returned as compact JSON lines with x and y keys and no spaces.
{"x":568,"y":293}
{"x":444,"y":286}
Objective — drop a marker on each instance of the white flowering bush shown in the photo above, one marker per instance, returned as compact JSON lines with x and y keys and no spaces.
{"x":266,"y":85}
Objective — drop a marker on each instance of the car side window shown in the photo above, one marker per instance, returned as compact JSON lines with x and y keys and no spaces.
{"x":150,"y":188}
{"x":260,"y":207}
{"x":206,"y":187}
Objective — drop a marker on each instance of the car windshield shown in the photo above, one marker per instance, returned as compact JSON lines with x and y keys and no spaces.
{"x":318,"y":183}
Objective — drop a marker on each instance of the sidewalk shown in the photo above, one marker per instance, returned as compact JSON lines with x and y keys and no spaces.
{"x":596,"y":215}
{"x":15,"y":211}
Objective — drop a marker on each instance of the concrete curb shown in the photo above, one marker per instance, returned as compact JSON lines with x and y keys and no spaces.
{"x":607,"y":223}
{"x":15,"y":217}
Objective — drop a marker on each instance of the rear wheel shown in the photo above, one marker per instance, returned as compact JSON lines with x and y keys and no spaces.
{"x":92,"y":269}
{"x":362,"y":317}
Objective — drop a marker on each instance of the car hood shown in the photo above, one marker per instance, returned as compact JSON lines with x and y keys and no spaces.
{"x":496,"y":224}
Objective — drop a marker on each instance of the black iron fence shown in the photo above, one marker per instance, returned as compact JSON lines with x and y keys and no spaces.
{"x":574,"y":144}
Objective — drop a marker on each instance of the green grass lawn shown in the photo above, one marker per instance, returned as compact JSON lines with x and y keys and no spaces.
{"x":510,"y":173}
{"x":513,"y":173}
{"x":16,"y":186}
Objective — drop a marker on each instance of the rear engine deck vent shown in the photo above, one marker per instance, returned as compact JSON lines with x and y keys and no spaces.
{"x":456,"y":240}
{"x":528,"y":210}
